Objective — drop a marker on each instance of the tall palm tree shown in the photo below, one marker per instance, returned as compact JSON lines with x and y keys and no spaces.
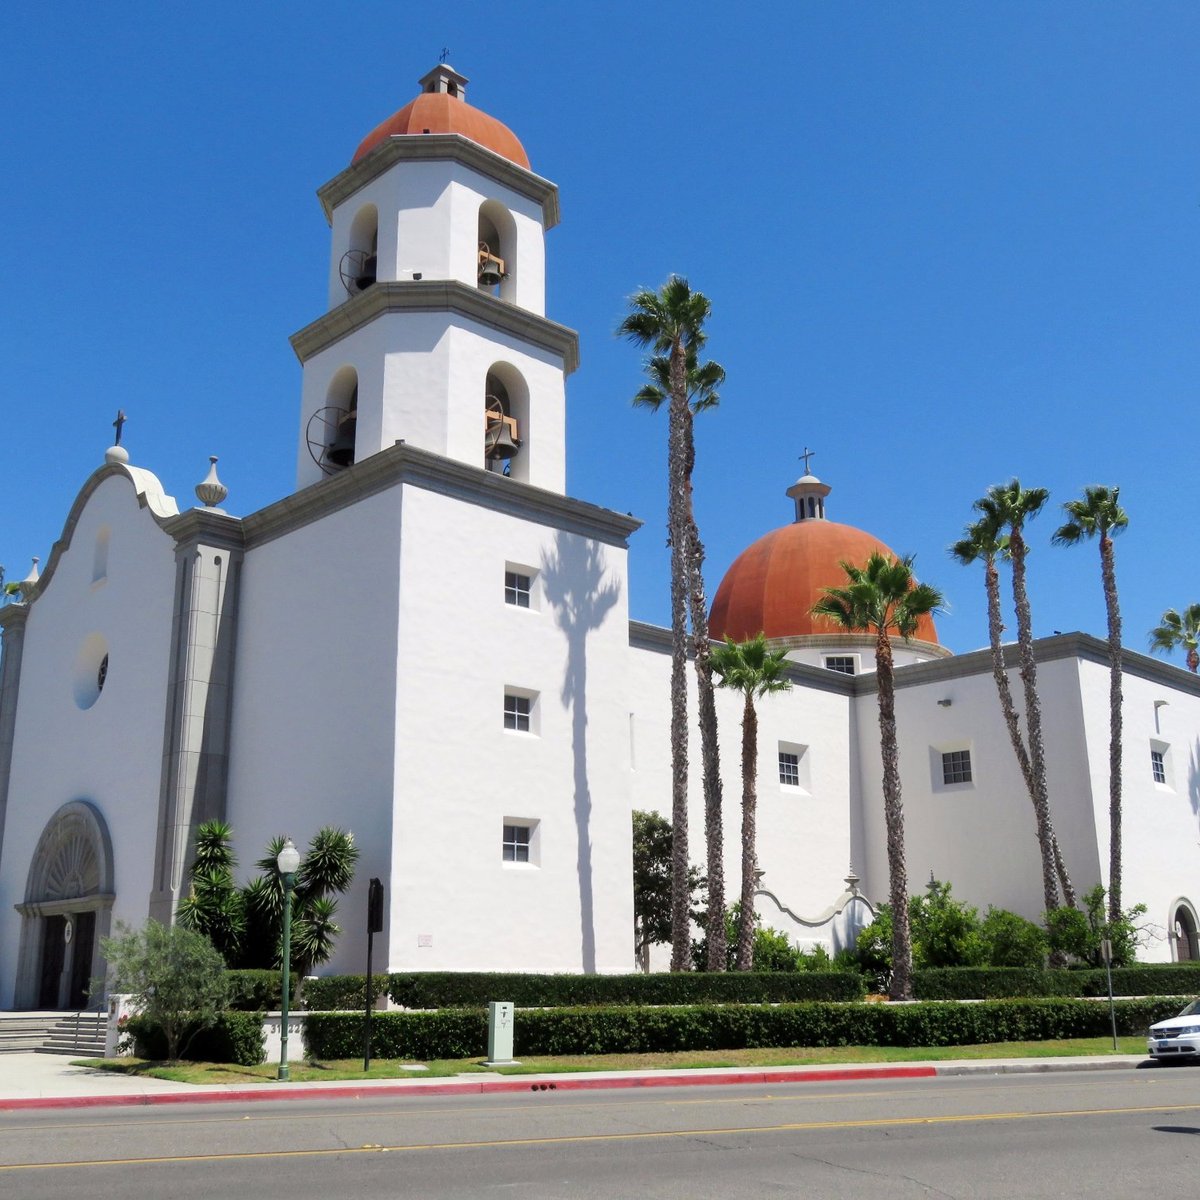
{"x":883,"y":597}
{"x":1179,"y":629}
{"x":755,"y":671}
{"x":703,"y":380}
{"x":1008,"y":506}
{"x":1099,"y":514}
{"x":670,"y":322}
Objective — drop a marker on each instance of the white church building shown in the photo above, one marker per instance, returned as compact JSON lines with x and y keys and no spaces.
{"x":154,"y":677}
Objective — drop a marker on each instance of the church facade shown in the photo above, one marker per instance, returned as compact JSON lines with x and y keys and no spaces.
{"x":154,"y":676}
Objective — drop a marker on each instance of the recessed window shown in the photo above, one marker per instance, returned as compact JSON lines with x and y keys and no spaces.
{"x":517,"y":712}
{"x":1158,"y":765}
{"x":101,"y":674}
{"x":517,"y":840}
{"x":844,"y":664}
{"x":789,"y":769}
{"x":517,"y":589}
{"x":956,"y":766}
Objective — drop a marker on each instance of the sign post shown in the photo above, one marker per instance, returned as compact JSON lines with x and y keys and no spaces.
{"x":374,"y":926}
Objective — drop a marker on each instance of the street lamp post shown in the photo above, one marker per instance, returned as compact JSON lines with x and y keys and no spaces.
{"x":288,"y":861}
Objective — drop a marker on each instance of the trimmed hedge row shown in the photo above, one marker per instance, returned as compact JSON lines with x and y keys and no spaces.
{"x":254,"y":991}
{"x":237,"y":1037}
{"x":469,"y":989}
{"x":632,"y":1030}
{"x":988,"y":983}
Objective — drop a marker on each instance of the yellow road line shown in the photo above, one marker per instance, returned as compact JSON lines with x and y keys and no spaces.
{"x":500,"y":1143}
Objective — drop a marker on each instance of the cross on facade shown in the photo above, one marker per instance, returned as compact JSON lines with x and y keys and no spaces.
{"x":118,"y":425}
{"x":806,"y":456}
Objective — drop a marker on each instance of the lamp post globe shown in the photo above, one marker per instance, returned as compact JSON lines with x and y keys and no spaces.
{"x":288,"y":862}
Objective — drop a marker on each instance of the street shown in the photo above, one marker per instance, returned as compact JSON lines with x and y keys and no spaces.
{"x":1121,"y":1133}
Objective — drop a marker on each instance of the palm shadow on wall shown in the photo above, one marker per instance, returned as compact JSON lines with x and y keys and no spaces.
{"x":576,"y":586}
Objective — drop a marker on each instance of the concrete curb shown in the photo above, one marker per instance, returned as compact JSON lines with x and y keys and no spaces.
{"x":552,"y":1083}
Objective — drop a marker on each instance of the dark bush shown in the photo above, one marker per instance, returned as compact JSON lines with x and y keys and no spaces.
{"x":987,"y":983}
{"x":237,"y":1037}
{"x":254,"y":991}
{"x":469,"y":989}
{"x":562,"y":1031}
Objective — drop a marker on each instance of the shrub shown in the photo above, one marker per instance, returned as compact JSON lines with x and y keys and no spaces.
{"x":1012,"y":941}
{"x":254,"y":991}
{"x":1078,"y":933}
{"x":233,"y":1037}
{"x":340,"y":992}
{"x":983,"y":983}
{"x":459,"y":1034}
{"x":945,"y":931}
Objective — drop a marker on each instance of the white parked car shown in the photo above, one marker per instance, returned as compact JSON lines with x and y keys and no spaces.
{"x":1177,"y":1037}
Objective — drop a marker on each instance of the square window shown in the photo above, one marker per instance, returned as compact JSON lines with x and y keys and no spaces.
{"x":517,"y":588}
{"x":789,"y":769}
{"x":956,"y":766}
{"x":517,"y":839}
{"x":517,"y":711}
{"x":844,"y":664}
{"x":1158,"y":765}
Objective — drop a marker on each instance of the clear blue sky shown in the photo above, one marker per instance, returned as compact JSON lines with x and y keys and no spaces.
{"x":945,"y":243}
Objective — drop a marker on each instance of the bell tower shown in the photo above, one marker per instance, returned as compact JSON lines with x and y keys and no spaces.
{"x":436,"y":332}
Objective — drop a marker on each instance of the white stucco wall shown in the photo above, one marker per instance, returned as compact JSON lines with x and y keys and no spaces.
{"x":461,"y":775}
{"x":110,"y":753}
{"x":314,"y":688}
{"x":429,"y":225}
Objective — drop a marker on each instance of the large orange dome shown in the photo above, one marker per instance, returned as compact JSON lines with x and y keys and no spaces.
{"x":441,"y":108}
{"x":772,"y":586}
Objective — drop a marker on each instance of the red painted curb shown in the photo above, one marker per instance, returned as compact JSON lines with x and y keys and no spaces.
{"x":464,"y":1087}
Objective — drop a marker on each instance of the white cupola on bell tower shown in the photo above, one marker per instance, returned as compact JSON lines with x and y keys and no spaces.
{"x":436,"y":333}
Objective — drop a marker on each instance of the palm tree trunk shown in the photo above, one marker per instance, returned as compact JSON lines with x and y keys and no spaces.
{"x":714,"y":831}
{"x":1052,"y":864}
{"x":991,"y":580}
{"x":745,"y":946}
{"x":893,"y":812}
{"x":1193,"y":659}
{"x":681,"y":916}
{"x":1109,"y":572}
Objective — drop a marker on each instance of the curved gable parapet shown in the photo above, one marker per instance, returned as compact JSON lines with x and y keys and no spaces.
{"x":146,"y":487}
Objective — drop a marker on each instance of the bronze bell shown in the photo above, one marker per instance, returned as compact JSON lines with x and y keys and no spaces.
{"x":498,"y":441}
{"x":367,"y":273}
{"x":340,"y":451}
{"x":491,"y":268}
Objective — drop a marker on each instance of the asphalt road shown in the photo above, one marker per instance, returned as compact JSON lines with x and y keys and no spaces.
{"x":1126,"y":1133}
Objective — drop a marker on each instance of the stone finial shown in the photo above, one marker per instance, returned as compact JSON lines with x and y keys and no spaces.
{"x":30,"y":581}
{"x":116,"y":454}
{"x":852,"y":881}
{"x":212,"y":491}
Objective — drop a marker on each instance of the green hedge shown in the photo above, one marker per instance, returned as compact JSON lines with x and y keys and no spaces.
{"x":341,"y":992}
{"x":237,"y":1037}
{"x":462,"y":1034}
{"x":446,"y":989}
{"x":254,"y":991}
{"x":994,"y":983}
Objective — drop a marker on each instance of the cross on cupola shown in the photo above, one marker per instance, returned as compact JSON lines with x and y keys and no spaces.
{"x":809,"y":492}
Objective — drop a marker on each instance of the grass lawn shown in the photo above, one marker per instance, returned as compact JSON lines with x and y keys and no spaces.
{"x":685,"y":1060}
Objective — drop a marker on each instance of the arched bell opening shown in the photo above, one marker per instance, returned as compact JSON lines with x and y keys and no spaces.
{"x":359,"y":266}
{"x":66,"y":911}
{"x":506,"y":422}
{"x":496,"y":265}
{"x":1185,"y":931}
{"x":332,"y":430}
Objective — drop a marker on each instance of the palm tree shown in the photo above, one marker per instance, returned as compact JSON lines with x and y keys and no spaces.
{"x":883,"y":597}
{"x":703,"y":380}
{"x":755,"y":671}
{"x":1099,"y":514}
{"x":1179,"y":629}
{"x":1007,"y":507}
{"x":670,"y":322}
{"x":213,"y":905}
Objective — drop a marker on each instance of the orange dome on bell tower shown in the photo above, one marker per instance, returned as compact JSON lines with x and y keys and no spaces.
{"x":442,"y":108}
{"x":773,"y":584}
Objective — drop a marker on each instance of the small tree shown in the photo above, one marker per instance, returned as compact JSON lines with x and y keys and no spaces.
{"x":652,"y":883}
{"x":175,"y":976}
{"x":1078,"y":934}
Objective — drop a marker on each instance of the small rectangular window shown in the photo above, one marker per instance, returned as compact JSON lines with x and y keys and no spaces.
{"x":516,"y":712}
{"x":956,"y":766}
{"x":517,"y":589}
{"x":1158,"y":765}
{"x":516,"y":843}
{"x":842,"y":663}
{"x":789,"y":769}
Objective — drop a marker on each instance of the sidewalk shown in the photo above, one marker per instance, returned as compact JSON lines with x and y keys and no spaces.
{"x":49,"y":1081}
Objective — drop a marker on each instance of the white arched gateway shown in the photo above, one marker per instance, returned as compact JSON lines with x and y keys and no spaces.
{"x":67,"y":909}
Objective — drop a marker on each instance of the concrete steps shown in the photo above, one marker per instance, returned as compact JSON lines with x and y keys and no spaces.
{"x":77,"y":1033}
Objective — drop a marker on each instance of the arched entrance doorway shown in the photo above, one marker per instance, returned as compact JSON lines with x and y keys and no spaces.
{"x":67,"y":909}
{"x":1184,"y":934}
